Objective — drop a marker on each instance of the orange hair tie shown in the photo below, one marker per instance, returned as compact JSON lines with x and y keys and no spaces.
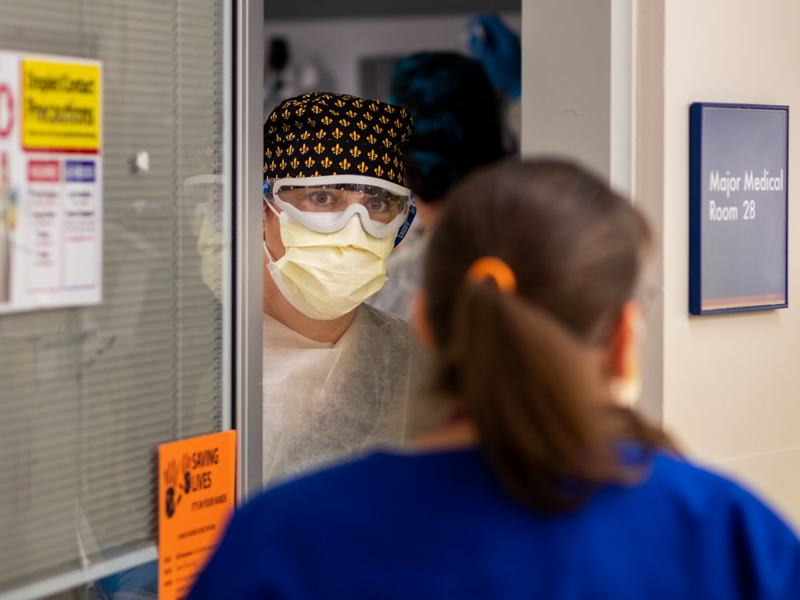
{"x":491,"y":266}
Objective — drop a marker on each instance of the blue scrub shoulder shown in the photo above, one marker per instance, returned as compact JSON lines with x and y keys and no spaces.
{"x":386,"y":519}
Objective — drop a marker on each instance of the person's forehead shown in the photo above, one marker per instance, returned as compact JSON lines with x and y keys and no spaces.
{"x":362,"y":185}
{"x":333,"y":189}
{"x":302,"y":192}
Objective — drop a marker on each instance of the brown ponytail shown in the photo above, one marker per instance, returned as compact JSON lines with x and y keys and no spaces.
{"x":527,"y":367}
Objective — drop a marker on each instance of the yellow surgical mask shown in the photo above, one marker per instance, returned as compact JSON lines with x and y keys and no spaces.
{"x":327,"y":275}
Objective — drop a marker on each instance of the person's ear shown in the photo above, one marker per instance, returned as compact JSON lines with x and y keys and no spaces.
{"x":272,"y":232}
{"x":264,"y":220}
{"x":623,"y":354}
{"x":265,"y":214}
{"x":420,"y":322}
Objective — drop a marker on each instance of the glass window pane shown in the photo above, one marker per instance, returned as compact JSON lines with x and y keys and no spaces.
{"x":89,"y":393}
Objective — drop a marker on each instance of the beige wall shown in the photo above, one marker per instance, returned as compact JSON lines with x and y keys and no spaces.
{"x":731,"y":383}
{"x":566,"y":99}
{"x":577,"y":92}
{"x":728,"y":387}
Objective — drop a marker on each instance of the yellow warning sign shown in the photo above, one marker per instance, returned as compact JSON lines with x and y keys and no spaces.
{"x":196,"y":500}
{"x":61,"y":106}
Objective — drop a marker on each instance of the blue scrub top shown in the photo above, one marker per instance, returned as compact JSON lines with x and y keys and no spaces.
{"x":439,"y":526}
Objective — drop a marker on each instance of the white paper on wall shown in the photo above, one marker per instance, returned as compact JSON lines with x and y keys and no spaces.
{"x":51,"y":182}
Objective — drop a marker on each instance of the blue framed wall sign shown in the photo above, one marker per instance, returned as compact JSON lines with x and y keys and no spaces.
{"x":738,"y":207}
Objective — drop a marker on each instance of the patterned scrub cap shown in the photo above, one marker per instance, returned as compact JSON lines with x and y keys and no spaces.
{"x":333,"y":134}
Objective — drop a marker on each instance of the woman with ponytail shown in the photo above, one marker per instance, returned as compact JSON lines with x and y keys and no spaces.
{"x":543,"y":483}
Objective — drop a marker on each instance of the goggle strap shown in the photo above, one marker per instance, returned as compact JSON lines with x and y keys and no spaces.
{"x":401,"y":233}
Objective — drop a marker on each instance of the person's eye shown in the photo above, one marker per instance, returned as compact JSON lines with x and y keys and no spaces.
{"x":322,"y":198}
{"x":378,"y":205}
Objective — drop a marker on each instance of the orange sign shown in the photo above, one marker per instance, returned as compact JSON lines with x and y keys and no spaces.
{"x":196,"y":500}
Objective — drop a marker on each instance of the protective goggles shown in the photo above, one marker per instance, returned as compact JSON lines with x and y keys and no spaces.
{"x":326,"y":204}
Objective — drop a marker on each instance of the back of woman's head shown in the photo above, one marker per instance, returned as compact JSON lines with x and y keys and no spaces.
{"x":529,"y":366}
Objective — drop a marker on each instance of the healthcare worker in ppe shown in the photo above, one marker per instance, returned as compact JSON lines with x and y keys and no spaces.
{"x":337,"y":373}
{"x":458,"y":128}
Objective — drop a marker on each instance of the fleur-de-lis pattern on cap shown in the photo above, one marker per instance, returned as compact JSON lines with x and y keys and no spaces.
{"x":314,"y":118}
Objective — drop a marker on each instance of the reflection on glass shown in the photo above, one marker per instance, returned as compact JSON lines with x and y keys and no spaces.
{"x":89,"y":393}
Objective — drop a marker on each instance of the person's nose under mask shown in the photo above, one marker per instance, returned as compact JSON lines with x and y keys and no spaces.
{"x":327,"y":275}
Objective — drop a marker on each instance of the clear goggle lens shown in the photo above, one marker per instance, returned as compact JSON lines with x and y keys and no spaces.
{"x":383,"y":206}
{"x":326,"y":204}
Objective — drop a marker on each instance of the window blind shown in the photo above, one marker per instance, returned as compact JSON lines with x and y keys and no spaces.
{"x":87,"y":394}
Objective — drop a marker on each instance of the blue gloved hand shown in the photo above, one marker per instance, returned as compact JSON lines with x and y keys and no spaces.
{"x":499,"y":50}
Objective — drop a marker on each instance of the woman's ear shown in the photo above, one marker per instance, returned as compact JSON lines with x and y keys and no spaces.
{"x":623,"y":355}
{"x":419,"y":320}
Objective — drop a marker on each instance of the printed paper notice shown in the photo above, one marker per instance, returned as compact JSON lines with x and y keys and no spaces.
{"x":196,"y":500}
{"x":51,"y":184}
